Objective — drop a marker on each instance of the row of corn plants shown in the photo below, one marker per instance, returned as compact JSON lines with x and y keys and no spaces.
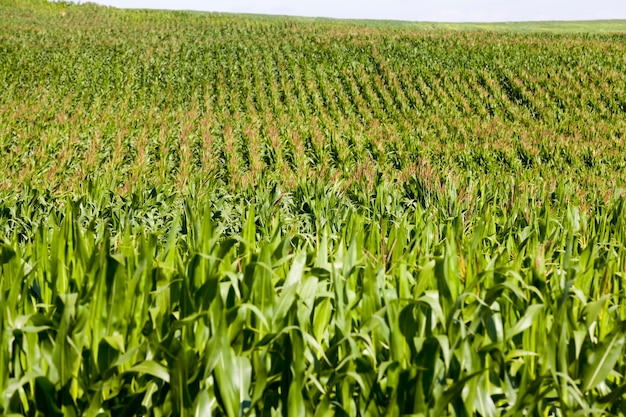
{"x":150,"y":99}
{"x":488,"y":304}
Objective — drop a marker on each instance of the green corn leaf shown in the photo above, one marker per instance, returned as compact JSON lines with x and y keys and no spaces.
{"x":602,"y":359}
{"x":288,"y":295}
{"x":203,"y":407}
{"x":451,"y":394}
{"x":46,"y":397}
{"x":6,"y":253}
{"x":526,"y":321}
{"x":151,"y":368}
{"x":233,"y":375}
{"x":295,"y":404}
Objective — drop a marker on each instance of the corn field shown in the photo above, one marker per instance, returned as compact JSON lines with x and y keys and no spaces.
{"x":230,"y":215}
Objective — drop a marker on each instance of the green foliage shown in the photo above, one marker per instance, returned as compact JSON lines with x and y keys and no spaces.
{"x":214,"y":215}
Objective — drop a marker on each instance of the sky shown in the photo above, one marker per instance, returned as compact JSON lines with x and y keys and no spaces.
{"x":416,"y":10}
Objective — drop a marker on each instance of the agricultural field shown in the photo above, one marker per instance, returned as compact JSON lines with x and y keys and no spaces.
{"x":209,"y":214}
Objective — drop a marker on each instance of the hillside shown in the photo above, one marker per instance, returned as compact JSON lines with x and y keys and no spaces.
{"x":252,"y":215}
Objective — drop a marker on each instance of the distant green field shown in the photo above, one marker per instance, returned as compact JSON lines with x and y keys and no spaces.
{"x":608,"y":26}
{"x":213,"y":214}
{"x":581,"y":27}
{"x":565,"y":27}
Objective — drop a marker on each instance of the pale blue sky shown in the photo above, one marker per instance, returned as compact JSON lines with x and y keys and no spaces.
{"x":417,"y":10}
